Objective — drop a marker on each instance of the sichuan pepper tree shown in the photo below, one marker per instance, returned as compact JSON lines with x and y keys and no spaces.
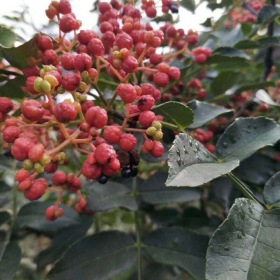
{"x":135,"y":142}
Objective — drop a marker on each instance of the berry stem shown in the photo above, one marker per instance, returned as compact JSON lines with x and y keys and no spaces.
{"x":65,"y":143}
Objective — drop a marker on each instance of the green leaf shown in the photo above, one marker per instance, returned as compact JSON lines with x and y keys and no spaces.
{"x":7,"y":36}
{"x":245,"y":136}
{"x":269,"y":42}
{"x":231,"y":52}
{"x":13,"y":88}
{"x":5,"y":216}
{"x":98,"y":257}
{"x":109,"y":196}
{"x":271,"y":190}
{"x":154,"y":191}
{"x":17,"y":56}
{"x":246,"y":44}
{"x":268,"y":14}
{"x":249,"y":86}
{"x":188,"y":4}
{"x":180,"y":247}
{"x":176,"y":113}
{"x":61,"y":242}
{"x":190,"y":163}
{"x":256,"y":169}
{"x":246,"y":245}
{"x":205,"y":112}
{"x":10,"y":260}
{"x":224,"y":81}
{"x":32,"y":216}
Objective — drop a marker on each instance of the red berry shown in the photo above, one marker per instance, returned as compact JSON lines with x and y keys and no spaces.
{"x":21,"y":175}
{"x":31,"y":71}
{"x":95,"y":47}
{"x":53,"y":212}
{"x":21,"y":148}
{"x":82,"y":62}
{"x":6,"y":105}
{"x":201,"y":94}
{"x":65,"y":112}
{"x":96,"y":116}
{"x":11,"y":133}
{"x":124,"y":40}
{"x":25,"y":184}
{"x":210,"y":147}
{"x":36,"y":190}
{"x":64,"y":7}
{"x":36,"y":152}
{"x":174,"y":73}
{"x":145,"y":102}
{"x":49,"y":57}
{"x":146,"y":118}
{"x":68,"y":23}
{"x":44,"y":42}
{"x":112,"y":134}
{"x":151,"y":11}
{"x":157,"y":150}
{"x":85,"y":36}
{"x":127,"y":92}
{"x":129,"y":64}
{"x":104,"y":153}
{"x":32,"y":110}
{"x":67,"y":61}
{"x":161,"y":79}
{"x":91,"y":171}
{"x":71,"y":81}
{"x":128,"y":142}
{"x":86,"y":105}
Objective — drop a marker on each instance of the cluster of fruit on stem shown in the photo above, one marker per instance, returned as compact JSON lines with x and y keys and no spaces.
{"x":103,"y":131}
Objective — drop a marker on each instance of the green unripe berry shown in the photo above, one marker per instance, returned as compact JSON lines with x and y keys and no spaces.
{"x":117,"y":55}
{"x":157,"y":125}
{"x":45,"y":159}
{"x":82,"y":87}
{"x":38,"y":167}
{"x":46,"y":87}
{"x":151,"y":131}
{"x":38,"y":84}
{"x":52,"y":80}
{"x":158,"y":136}
{"x":27,"y":164}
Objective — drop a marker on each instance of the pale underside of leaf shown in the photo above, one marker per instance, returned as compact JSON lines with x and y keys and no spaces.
{"x":200,"y":173}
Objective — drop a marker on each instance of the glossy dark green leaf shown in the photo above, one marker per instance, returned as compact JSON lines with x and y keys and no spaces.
{"x":249,"y":86}
{"x":32,"y":216}
{"x":223,"y":81}
{"x":98,"y":257}
{"x":188,"y":4}
{"x":176,"y":113}
{"x":267,"y":14}
{"x":180,"y":247}
{"x":245,"y":136}
{"x":61,"y":242}
{"x":191,"y":165}
{"x":154,"y":191}
{"x":246,"y":245}
{"x":13,"y":88}
{"x":246,"y":44}
{"x":205,"y":112}
{"x":271,"y":190}
{"x":17,"y":56}
{"x":110,"y":195}
{"x":7,"y":36}
{"x":269,"y":42}
{"x":5,"y":216}
{"x":256,"y":169}
{"x":10,"y":260}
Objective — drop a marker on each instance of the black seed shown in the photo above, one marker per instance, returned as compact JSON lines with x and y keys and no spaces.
{"x":126,"y":173}
{"x":103,"y":179}
{"x":174,"y":9}
{"x":134,"y":171}
{"x":134,"y":158}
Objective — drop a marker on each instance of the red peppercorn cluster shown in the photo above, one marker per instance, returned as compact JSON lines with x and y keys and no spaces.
{"x":101,"y":129}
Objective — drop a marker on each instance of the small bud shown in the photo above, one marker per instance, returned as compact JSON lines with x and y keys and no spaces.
{"x":158,"y":136}
{"x":151,"y":131}
{"x":46,"y":86}
{"x":27,"y":164}
{"x":38,"y":167}
{"x":38,"y":84}
{"x":157,"y":125}
{"x":45,"y":159}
